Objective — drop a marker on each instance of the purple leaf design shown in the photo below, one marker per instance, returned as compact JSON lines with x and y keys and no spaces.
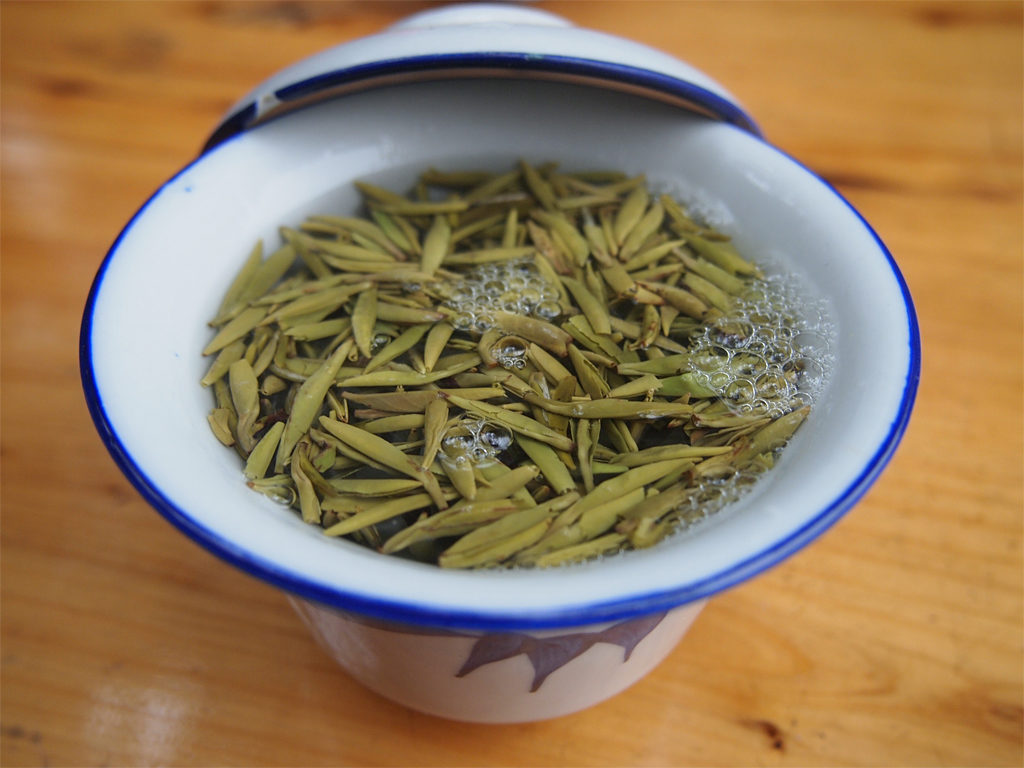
{"x":547,"y":654}
{"x":629,"y":633}
{"x":490,"y":648}
{"x":551,"y":653}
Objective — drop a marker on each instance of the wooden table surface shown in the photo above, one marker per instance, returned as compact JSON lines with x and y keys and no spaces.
{"x":895,"y":640}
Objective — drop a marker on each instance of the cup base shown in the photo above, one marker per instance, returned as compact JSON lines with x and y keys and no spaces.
{"x":496,"y":677}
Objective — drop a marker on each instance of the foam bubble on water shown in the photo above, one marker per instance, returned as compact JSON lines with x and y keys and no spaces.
{"x":770,"y":354}
{"x":510,"y":352}
{"x":475,"y":440}
{"x":379,"y":341}
{"x":508,"y":286}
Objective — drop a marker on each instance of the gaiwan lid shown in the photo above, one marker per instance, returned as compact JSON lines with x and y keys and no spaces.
{"x":483,"y":41}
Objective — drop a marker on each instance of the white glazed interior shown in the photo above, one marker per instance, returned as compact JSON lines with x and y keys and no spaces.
{"x":145,"y":327}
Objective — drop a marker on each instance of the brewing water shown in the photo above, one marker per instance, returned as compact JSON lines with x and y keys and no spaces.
{"x":770,"y":354}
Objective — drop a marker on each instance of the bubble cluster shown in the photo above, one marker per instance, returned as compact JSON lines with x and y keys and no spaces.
{"x":379,"y":341}
{"x":771,"y":354}
{"x":475,"y":440}
{"x":710,"y":495}
{"x":510,"y":352}
{"x":510,"y":286}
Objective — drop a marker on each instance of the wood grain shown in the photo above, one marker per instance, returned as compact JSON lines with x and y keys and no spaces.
{"x":894,"y":640}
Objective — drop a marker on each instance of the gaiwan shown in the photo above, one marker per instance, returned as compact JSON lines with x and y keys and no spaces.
{"x":524,"y":368}
{"x":498,"y":371}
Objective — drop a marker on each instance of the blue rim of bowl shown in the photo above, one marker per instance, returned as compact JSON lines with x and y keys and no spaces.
{"x":447,"y":617}
{"x":567,"y":69}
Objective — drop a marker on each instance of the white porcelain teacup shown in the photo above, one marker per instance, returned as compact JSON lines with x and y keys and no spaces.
{"x":497,"y":645}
